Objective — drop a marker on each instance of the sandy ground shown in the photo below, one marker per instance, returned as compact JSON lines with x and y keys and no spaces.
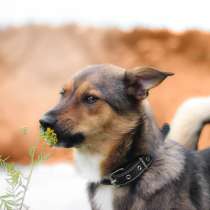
{"x":54,"y":187}
{"x":35,"y":61}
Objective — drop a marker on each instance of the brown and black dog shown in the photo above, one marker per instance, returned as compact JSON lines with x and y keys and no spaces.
{"x":103,"y":113}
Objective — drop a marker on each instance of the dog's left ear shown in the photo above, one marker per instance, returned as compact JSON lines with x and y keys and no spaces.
{"x":139,"y":81}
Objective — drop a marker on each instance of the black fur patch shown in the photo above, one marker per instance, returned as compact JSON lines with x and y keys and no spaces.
{"x":165,"y":129}
{"x":69,"y":140}
{"x":195,"y":193}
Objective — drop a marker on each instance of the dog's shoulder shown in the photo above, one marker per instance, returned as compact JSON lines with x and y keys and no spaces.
{"x":179,"y":171}
{"x":167,"y":166}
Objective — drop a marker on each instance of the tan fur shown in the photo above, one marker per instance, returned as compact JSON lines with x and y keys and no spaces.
{"x":113,"y":136}
{"x":118,"y":142}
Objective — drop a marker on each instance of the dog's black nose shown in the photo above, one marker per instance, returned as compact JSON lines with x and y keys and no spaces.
{"x":47,"y":121}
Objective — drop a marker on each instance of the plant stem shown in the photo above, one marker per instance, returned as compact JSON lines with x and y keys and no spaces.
{"x":29,"y":177}
{"x":26,"y":188}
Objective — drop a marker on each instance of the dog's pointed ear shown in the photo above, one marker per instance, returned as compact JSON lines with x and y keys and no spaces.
{"x":139,"y":81}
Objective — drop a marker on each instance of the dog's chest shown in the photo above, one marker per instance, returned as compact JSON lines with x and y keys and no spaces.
{"x":103,"y":198}
{"x":88,"y":166}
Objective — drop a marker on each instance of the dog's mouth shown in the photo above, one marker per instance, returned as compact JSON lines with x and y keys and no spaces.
{"x":59,"y":138}
{"x":70,"y":140}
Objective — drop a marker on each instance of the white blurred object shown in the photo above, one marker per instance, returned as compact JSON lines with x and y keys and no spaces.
{"x":189,"y":120}
{"x":54,"y":187}
{"x":176,"y":15}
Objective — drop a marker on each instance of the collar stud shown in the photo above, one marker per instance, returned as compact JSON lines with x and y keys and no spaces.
{"x":139,"y":168}
{"x":128,"y":176}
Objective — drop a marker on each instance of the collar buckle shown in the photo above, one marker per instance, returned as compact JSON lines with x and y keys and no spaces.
{"x":113,"y":180}
{"x":143,"y":162}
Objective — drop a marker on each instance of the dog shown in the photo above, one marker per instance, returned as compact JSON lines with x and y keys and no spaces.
{"x":104,"y":115}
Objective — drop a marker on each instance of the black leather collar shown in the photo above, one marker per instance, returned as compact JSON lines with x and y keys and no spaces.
{"x":129,"y":173}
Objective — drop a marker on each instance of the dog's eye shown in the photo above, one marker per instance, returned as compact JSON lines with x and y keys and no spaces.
{"x":89,"y":99}
{"x":62,"y":92}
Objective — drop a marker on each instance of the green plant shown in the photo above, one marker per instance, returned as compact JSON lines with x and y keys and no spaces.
{"x":18,"y":184}
{"x":49,"y":136}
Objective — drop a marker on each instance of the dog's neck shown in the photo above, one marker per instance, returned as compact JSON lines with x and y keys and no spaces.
{"x":145,"y":138}
{"x":148,"y":136}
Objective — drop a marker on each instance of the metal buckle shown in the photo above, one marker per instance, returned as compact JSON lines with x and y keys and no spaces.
{"x":142,"y":161}
{"x":112,"y":179}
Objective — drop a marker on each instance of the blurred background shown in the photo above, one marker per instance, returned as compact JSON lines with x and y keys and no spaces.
{"x":44,"y":42}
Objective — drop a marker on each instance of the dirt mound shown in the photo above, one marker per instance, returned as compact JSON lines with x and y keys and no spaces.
{"x":36,"y":60}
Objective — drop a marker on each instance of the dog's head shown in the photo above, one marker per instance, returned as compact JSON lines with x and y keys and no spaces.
{"x":99,"y":105}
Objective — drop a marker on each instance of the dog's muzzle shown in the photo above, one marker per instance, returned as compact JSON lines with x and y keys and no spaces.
{"x":65,"y":139}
